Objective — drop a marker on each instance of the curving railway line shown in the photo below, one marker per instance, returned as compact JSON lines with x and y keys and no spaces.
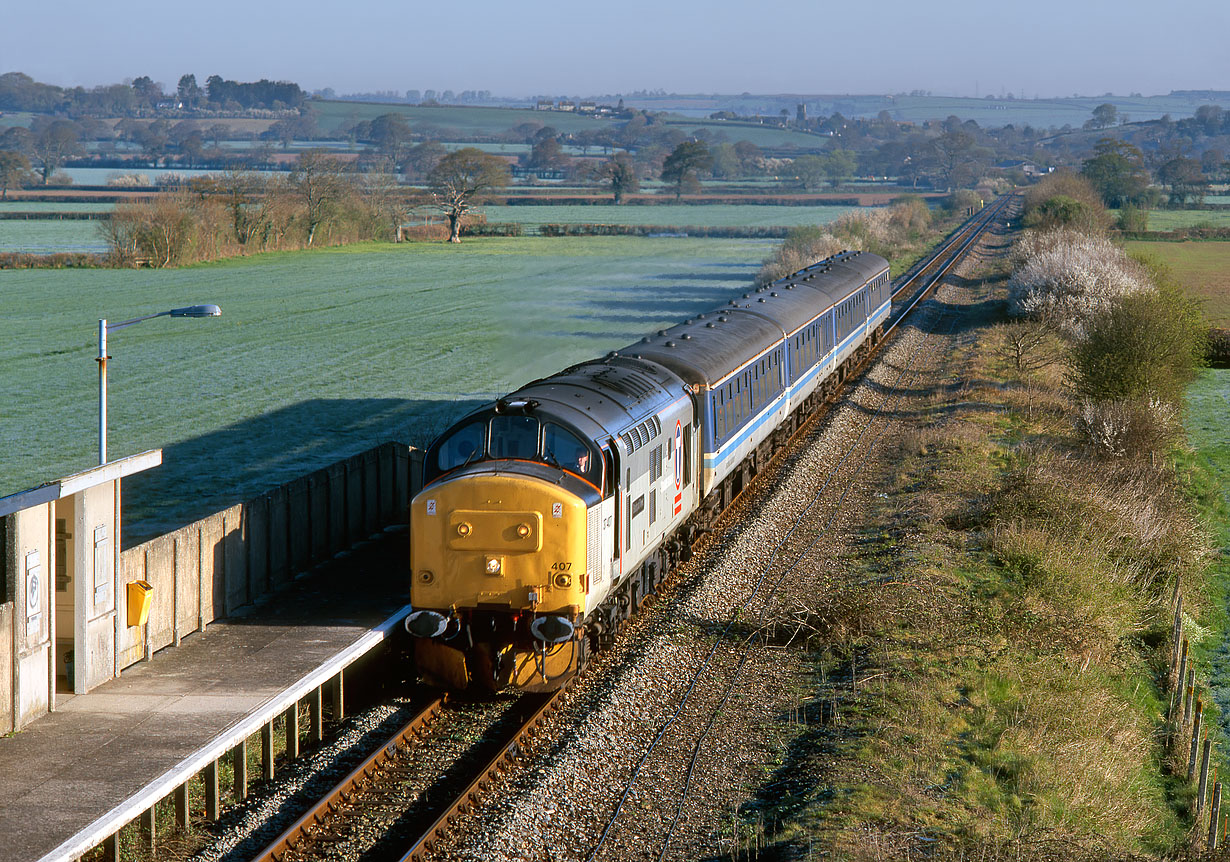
{"x":444,"y":791}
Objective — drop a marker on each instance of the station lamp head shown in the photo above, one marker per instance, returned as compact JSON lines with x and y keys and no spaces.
{"x":197,"y":311}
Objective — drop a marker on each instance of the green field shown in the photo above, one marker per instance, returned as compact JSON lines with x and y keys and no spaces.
{"x":492,"y":121}
{"x":318,"y":355}
{"x":1201,"y":267}
{"x":668,"y":214}
{"x":332,"y":116}
{"x":1175,"y":219}
{"x":986,"y":111}
{"x":54,"y":207}
{"x":51,"y":235}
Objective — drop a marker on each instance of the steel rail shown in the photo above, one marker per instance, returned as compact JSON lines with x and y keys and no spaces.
{"x":975,"y":224}
{"x":961,"y":240}
{"x":465,"y":801}
{"x":348,"y":786}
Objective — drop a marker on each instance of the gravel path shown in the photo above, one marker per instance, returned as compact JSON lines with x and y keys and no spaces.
{"x":759,"y":569}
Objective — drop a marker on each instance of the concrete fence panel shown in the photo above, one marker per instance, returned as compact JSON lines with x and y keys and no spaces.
{"x":160,"y":573}
{"x":318,"y":495}
{"x":257,"y":529}
{"x":387,"y":457}
{"x":371,"y":491}
{"x":187,"y":581}
{"x":355,"y":500}
{"x":6,"y":664}
{"x":213,"y":568}
{"x":280,"y":570}
{"x":337,"y":507}
{"x":299,"y":523}
{"x":234,"y":559}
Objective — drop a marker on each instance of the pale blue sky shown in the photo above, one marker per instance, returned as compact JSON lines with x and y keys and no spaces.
{"x":1044,"y":48}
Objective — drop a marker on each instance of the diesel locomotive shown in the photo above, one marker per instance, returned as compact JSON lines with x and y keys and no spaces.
{"x":546,"y":517}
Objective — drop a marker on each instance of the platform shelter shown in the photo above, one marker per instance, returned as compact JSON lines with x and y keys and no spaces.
{"x":62,"y":612}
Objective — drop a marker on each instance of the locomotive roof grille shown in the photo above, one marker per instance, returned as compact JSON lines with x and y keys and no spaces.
{"x":637,"y":436}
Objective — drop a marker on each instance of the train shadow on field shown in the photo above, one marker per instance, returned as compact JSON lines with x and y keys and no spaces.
{"x":208,"y":473}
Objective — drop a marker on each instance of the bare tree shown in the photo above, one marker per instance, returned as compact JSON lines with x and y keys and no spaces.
{"x":619,"y":174}
{"x":459,"y":179}
{"x":57,"y":141}
{"x":14,"y":171}
{"x":319,"y":180}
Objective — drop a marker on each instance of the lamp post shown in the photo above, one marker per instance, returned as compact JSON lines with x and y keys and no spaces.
{"x":103,"y":329}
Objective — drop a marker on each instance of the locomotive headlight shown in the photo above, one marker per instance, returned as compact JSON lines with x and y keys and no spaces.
{"x":426,"y":577}
{"x":494,"y":565}
{"x":464,"y":529}
{"x":523,"y":530}
{"x":563,"y":580}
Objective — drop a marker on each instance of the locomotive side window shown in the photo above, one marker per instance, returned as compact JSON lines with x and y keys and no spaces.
{"x":687,"y":455}
{"x":466,"y":444}
{"x":514,"y":437}
{"x":560,"y":446}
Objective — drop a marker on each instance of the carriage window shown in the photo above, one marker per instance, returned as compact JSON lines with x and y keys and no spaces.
{"x":514,"y":437}
{"x":465,"y":444}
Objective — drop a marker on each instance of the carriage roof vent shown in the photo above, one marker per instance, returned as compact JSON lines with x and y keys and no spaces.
{"x":670,"y":344}
{"x":762,"y":299}
{"x":661,"y":332}
{"x":774,"y":293}
{"x":710,"y":325}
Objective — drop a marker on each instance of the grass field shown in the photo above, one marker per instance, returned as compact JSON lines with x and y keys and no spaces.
{"x":318,"y":355}
{"x":492,"y":121}
{"x":1202,"y":267}
{"x":53,"y":207}
{"x":667,"y":214}
{"x":472,"y":120}
{"x":1174,"y":219}
{"x":44,"y":237}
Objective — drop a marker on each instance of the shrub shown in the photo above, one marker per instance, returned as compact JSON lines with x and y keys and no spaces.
{"x":1066,"y":276}
{"x":1143,"y":346}
{"x":1113,"y":429}
{"x":1133,"y":219}
{"x":888,"y":232}
{"x":1218,"y":355}
{"x":119,"y":180}
{"x":1075,"y":188}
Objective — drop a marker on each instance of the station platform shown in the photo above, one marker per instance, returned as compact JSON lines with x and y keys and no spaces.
{"x":73,"y":778}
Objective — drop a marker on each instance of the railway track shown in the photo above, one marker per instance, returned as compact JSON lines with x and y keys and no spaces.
{"x":402,"y":798}
{"x":425,"y":820}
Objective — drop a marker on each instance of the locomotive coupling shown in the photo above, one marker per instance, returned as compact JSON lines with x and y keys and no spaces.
{"x":552,"y":629}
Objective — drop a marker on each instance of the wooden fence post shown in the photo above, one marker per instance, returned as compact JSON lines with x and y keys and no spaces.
{"x":1191,"y":761}
{"x":1204,"y":773}
{"x":1214,"y":815}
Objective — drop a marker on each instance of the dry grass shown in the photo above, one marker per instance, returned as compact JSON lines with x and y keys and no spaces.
{"x":991,"y":647}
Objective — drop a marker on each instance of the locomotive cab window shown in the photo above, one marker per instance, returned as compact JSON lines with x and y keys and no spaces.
{"x":466,"y":444}
{"x":514,"y":437}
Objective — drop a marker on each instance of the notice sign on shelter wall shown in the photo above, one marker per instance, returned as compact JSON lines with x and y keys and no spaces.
{"x":34,"y":595}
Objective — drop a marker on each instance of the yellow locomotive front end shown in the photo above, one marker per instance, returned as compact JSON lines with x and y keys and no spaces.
{"x":498,"y":562}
